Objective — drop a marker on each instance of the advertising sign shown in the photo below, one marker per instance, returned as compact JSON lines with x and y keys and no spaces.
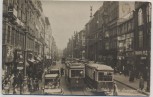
{"x":19,"y":59}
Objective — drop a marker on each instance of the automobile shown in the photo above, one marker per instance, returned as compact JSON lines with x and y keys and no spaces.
{"x":52,"y":85}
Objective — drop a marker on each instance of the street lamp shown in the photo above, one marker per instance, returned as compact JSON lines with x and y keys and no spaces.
{"x":25,"y":62}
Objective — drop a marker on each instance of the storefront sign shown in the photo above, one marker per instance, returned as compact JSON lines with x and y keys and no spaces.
{"x":141,"y":53}
{"x":9,"y":54}
{"x":143,"y":58}
{"x":20,"y":68}
{"x":19,"y":59}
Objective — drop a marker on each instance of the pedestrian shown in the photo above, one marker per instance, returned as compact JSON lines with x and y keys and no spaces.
{"x":37,"y":84}
{"x":130,"y":76}
{"x":115,"y":89}
{"x":7,"y":88}
{"x":40,"y":84}
{"x":14,"y":84}
{"x":141,"y":83}
{"x":34,"y":84}
{"x":29,"y":85}
{"x":61,"y":71}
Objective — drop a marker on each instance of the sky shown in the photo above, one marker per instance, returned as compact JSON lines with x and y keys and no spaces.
{"x":68,"y":16}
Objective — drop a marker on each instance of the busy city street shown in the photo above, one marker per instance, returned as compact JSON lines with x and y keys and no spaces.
{"x":123,"y":89}
{"x":76,"y":48}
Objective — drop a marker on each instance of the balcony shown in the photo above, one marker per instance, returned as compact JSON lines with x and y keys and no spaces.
{"x":12,"y":13}
{"x":19,"y":24}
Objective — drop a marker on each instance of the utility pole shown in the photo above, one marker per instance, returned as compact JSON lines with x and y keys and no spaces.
{"x":90,"y":12}
{"x":25,"y":62}
{"x":72,"y":47}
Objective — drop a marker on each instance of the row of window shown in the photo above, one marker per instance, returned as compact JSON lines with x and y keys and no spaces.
{"x":110,"y":45}
{"x":24,"y":12}
{"x":141,"y":14}
{"x":126,"y":27}
{"x":15,"y":37}
{"x":105,"y":76}
{"x":126,"y":41}
{"x":12,"y":36}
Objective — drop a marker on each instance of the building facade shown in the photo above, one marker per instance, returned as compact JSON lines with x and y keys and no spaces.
{"x":24,"y":29}
{"x":48,"y":39}
{"x":142,"y":37}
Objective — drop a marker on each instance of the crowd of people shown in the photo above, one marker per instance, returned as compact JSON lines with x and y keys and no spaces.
{"x":15,"y":81}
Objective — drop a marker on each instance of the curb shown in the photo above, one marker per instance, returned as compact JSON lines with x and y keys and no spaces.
{"x":132,"y":87}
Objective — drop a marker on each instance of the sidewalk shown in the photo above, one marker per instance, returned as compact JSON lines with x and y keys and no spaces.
{"x":134,"y":85}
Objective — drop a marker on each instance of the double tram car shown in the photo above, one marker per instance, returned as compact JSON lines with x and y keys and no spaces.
{"x":99,"y":77}
{"x":75,"y":74}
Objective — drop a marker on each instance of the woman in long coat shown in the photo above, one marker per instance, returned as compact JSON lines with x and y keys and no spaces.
{"x":115,"y":90}
{"x":141,"y":83}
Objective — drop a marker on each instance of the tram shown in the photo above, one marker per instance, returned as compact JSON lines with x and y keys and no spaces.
{"x":75,"y":74}
{"x":100,"y":77}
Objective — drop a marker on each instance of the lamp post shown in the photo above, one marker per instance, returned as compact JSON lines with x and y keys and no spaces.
{"x":25,"y":62}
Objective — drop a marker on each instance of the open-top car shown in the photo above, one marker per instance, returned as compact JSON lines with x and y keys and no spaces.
{"x":52,"y":84}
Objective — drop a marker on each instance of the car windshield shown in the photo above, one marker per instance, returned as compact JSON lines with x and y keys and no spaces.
{"x":54,"y":72}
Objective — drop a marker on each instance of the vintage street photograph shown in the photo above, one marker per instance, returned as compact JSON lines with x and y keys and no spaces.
{"x":76,"y":48}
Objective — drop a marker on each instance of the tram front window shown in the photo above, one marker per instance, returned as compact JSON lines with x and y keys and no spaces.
{"x":77,"y":73}
{"x":105,"y":76}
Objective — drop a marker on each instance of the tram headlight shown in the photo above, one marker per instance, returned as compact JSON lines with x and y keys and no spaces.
{"x":81,"y":73}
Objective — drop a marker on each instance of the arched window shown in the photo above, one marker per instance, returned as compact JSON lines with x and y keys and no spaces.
{"x":140,"y":17}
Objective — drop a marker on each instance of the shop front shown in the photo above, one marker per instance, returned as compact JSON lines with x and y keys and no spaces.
{"x":120,"y":67}
{"x":142,"y":63}
{"x":7,"y":60}
{"x":18,"y":61}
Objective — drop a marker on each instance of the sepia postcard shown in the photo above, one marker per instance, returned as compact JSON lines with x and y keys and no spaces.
{"x":76,"y":48}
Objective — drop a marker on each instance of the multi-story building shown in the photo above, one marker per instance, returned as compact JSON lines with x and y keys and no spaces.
{"x":101,"y":31}
{"x":76,"y":46}
{"x":48,"y":38}
{"x":92,"y":32}
{"x":125,"y":43}
{"x":54,"y":50}
{"x":23,"y":32}
{"x":142,"y":37}
{"x":81,"y":44}
{"x":114,"y":15}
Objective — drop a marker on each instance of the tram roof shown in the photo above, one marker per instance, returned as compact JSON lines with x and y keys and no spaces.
{"x":100,"y":66}
{"x":76,"y":65}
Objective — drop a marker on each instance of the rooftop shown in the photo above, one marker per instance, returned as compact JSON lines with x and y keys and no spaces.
{"x":100,"y":66}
